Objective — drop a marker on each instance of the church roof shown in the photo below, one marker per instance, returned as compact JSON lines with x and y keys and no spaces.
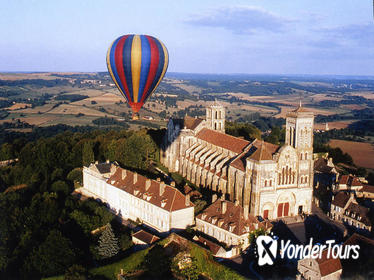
{"x":223,"y":140}
{"x":171,"y":199}
{"x":259,"y":150}
{"x":261,"y":153}
{"x":300,"y":111}
{"x":188,"y":122}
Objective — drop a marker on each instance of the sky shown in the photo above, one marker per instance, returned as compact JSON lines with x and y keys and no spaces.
{"x":334,"y":37}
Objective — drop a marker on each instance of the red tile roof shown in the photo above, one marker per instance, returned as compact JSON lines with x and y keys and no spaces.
{"x":328,"y":265}
{"x":223,"y":140}
{"x":259,"y":150}
{"x":367,"y":188}
{"x":232,"y":218}
{"x":341,"y":199}
{"x":172,"y":198}
{"x":146,"y":237}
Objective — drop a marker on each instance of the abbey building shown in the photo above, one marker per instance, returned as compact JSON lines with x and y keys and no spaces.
{"x":265,"y":179}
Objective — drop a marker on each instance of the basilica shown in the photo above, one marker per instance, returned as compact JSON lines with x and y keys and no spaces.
{"x":267,"y":180}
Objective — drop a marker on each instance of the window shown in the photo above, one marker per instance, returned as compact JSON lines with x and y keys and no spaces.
{"x":266,"y":183}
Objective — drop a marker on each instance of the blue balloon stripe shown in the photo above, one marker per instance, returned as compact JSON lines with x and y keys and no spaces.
{"x":127,"y":65}
{"x":114,"y":68}
{"x":146,"y":62}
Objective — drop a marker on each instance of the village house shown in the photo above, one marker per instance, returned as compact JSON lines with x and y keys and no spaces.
{"x":229,"y":223}
{"x":345,"y":209}
{"x":319,"y":269}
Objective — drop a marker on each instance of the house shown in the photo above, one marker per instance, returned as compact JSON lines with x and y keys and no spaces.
{"x":320,"y":268}
{"x":216,"y":249}
{"x":325,"y":173}
{"x":132,"y":196}
{"x":229,"y":223}
{"x":345,"y":209}
{"x":349,"y":182}
{"x":362,"y":266}
{"x":144,"y":238}
{"x":366,"y":191}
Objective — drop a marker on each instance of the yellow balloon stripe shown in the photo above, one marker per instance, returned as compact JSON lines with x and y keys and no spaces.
{"x":136,"y":63}
{"x":111,"y":71}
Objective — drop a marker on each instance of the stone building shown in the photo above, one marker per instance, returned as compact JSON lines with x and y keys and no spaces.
{"x":323,"y":268}
{"x":345,"y":209}
{"x":267,"y":180}
{"x":228,"y":223}
{"x":132,"y":196}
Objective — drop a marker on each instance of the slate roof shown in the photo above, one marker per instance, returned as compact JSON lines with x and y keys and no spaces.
{"x":171,"y":199}
{"x":232,"y":218}
{"x":103,"y":167}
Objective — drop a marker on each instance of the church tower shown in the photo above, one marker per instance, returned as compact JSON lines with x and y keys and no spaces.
{"x":215,"y":117}
{"x":299,"y":135}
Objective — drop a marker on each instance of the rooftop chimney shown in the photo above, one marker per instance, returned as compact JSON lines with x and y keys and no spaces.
{"x":187,"y":200}
{"x":162,"y":188}
{"x":214,"y":198}
{"x":246,"y":212}
{"x":172,"y":184}
{"x":158,"y":180}
{"x":224,"y":206}
{"x":124,"y":174}
{"x":135,"y":178}
{"x":147,"y":184}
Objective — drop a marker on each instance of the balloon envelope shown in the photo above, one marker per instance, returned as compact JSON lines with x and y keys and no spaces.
{"x":137,"y":64}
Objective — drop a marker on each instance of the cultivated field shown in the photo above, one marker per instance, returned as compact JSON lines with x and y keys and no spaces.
{"x":362,"y":153}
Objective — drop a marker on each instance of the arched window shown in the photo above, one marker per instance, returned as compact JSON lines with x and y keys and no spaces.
{"x":301,"y":156}
{"x":306,"y":179}
{"x":266,"y":183}
{"x":216,"y":114}
{"x":302,"y":180}
{"x":283,"y":176}
{"x":215,"y":126}
{"x":270,"y":183}
{"x":306,"y":156}
{"x":220,"y":114}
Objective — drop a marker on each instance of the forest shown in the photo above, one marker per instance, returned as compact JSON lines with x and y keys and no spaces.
{"x":44,"y":230}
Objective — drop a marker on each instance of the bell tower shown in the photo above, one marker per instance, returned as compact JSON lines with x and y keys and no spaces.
{"x":215,"y":117}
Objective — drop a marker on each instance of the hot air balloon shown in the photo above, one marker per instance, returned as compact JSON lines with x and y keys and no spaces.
{"x":137,"y":64}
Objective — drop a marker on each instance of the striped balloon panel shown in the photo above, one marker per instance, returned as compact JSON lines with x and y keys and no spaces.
{"x":137,"y":64}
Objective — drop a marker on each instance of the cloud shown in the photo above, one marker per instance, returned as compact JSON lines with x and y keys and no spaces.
{"x":241,"y":20}
{"x":356,"y":34}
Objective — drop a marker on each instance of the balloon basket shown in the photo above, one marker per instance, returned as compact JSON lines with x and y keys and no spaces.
{"x":135,"y":116}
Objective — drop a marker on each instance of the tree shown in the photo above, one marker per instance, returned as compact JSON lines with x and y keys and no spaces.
{"x":76,"y":272}
{"x":108,"y":243}
{"x":87,"y":154}
{"x":54,"y":255}
{"x":157,"y":263}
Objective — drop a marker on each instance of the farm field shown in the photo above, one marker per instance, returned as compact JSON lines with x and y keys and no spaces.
{"x":361,"y":153}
